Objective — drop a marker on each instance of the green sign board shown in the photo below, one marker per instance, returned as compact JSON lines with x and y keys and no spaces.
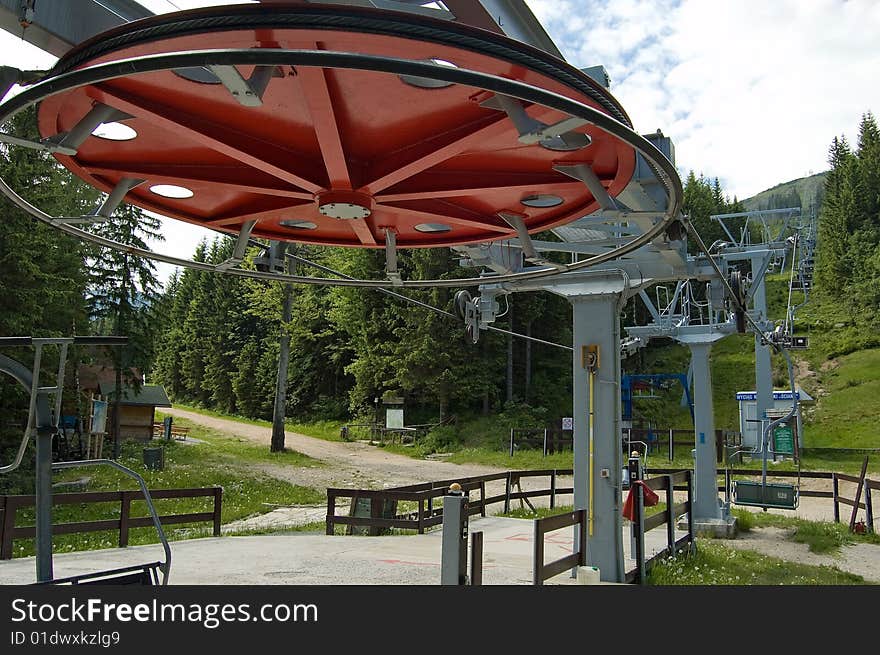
{"x":783,"y":440}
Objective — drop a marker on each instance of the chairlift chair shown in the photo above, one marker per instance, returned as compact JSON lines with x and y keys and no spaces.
{"x":768,"y":495}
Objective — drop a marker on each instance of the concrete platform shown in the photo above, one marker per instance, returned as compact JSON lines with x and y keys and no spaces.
{"x":317,"y":559}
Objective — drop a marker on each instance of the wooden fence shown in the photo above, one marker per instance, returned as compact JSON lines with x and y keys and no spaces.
{"x":9,"y":506}
{"x":668,"y":439}
{"x":547,"y":440}
{"x":667,"y":517}
{"x":863,"y":485}
{"x":835,"y":495}
{"x":544,"y":571}
{"x":381,"y":513}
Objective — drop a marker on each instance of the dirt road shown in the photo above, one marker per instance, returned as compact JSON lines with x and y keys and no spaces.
{"x":342,"y":463}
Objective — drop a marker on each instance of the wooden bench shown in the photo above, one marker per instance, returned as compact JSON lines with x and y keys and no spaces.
{"x":177,"y":432}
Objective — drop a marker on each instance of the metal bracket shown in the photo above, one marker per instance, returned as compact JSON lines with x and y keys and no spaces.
{"x":590,"y":357}
{"x":517,"y":222}
{"x":74,"y":138}
{"x":116,"y":196}
{"x":585,"y":174}
{"x":391,"y":257}
{"x":106,"y":209}
{"x":559,"y":136}
{"x":564,"y":129}
{"x":46,"y":146}
{"x":248,"y":92}
{"x":240,"y":248}
{"x":273,"y":257}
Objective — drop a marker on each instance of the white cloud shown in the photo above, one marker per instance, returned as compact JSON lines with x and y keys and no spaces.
{"x":750,"y":91}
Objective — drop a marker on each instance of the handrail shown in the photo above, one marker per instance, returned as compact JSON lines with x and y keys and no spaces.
{"x":165,"y":566}
{"x":38,"y":403}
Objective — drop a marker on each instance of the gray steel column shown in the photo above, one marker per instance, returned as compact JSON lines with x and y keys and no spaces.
{"x":44,"y":504}
{"x":596,"y":321}
{"x":705,"y":470}
{"x":763,"y":365}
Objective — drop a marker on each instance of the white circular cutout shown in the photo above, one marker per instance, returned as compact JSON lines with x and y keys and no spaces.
{"x":432,"y":227}
{"x":114,"y":132}
{"x":171,"y":191}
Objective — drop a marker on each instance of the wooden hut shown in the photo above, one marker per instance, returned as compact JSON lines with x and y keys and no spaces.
{"x":137,"y":408}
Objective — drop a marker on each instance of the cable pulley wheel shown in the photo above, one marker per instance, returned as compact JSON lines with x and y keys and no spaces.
{"x":460,"y":301}
{"x":335,"y":126}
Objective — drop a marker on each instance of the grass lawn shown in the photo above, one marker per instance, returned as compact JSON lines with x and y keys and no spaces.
{"x":716,"y":564}
{"x":219,"y":460}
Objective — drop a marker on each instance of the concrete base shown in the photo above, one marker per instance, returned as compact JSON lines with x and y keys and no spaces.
{"x":715,"y":528}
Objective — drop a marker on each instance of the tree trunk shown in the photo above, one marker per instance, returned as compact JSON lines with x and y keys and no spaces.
{"x":510,"y":350}
{"x":117,"y":419}
{"x":277,"y":444}
{"x":120,"y":359}
{"x":528,"y":374}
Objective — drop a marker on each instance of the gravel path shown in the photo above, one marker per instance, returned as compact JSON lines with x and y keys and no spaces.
{"x":359,"y":465}
{"x":342,"y":463}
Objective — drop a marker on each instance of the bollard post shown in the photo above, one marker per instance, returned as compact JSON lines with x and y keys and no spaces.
{"x":453,"y":564}
{"x":634,"y":471}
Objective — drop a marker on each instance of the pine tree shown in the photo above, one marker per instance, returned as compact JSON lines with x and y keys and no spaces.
{"x":835,"y":221}
{"x":121,"y":294}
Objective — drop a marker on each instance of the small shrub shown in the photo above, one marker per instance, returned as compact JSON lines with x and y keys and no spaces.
{"x":440,"y":439}
{"x":745,"y":520}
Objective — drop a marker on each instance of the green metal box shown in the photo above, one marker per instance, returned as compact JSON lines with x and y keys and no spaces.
{"x":154,"y":458}
{"x":780,"y":495}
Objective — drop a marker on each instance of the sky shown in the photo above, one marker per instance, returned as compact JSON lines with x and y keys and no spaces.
{"x":750,"y":91}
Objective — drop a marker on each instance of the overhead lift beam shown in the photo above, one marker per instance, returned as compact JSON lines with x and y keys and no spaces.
{"x":56,"y":27}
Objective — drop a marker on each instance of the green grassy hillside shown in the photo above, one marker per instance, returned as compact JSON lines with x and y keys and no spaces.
{"x":802,"y":192}
{"x":841,"y":370}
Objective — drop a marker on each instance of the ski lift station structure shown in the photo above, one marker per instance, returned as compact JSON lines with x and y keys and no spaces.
{"x":749,"y":424}
{"x":413,"y":125}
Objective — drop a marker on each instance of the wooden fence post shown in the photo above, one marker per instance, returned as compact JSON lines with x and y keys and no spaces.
{"x":6,"y":528}
{"x":124,"y":515}
{"x":538,"y":571}
{"x":835,"y":498}
{"x":483,"y":498}
{"x":507,"y":492}
{"x":419,"y":527}
{"x":218,"y":508}
{"x":671,"y":444}
{"x":476,"y":559}
{"x":857,"y":499}
{"x":553,"y":489}
{"x":330,"y":526}
{"x":869,"y":509}
{"x":670,"y":515}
